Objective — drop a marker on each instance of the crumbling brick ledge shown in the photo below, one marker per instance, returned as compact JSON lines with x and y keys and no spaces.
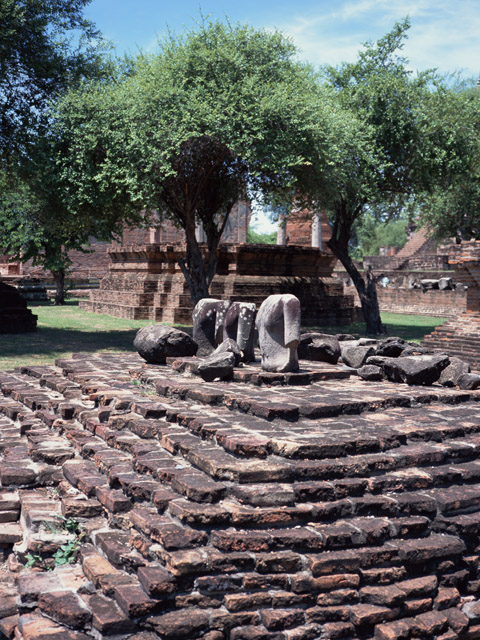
{"x":233,"y":511}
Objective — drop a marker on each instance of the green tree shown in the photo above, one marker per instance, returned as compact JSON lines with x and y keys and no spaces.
{"x":453,"y":208}
{"x":371,"y":233}
{"x":383,"y":157}
{"x":219,"y":112}
{"x":255,"y":237}
{"x":45,"y":46}
{"x":36,"y":224}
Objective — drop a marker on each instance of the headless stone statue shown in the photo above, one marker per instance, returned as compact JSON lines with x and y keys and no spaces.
{"x":240,"y":326}
{"x":278,"y":323}
{"x":208,"y":319}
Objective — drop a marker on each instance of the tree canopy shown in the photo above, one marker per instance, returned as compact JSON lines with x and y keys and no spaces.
{"x":370,"y":233}
{"x":384,"y":155}
{"x":35,"y":223}
{"x":218,"y":112}
{"x":45,"y":47}
{"x":452,"y":209}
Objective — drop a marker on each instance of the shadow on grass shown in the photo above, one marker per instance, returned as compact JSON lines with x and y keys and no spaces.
{"x":410,"y":332}
{"x":45,"y":341}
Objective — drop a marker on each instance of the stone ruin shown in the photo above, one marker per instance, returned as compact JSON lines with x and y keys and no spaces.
{"x":15,"y":317}
{"x":418,"y":279}
{"x":146,"y":282}
{"x":460,"y":335}
{"x":304,"y":505}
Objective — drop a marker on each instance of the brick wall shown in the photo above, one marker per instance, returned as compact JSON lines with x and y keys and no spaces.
{"x":95,"y":264}
{"x":444,"y":304}
{"x":299,"y":229}
{"x":421,"y":262}
{"x":435,"y":302}
{"x":85,"y":266}
{"x":235,"y":230}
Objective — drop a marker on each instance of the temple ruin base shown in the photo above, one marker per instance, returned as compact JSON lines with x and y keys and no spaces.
{"x":341,"y":508}
{"x":461,"y":335}
{"x":145,"y":282}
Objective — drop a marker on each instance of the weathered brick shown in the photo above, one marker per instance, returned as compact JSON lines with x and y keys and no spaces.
{"x":337,"y":597}
{"x":113,"y":500}
{"x":172,"y":626}
{"x":278,"y":619}
{"x":304,"y":583}
{"x":107,"y":617}
{"x":387,"y":595}
{"x":156,"y":581}
{"x":244,"y":601}
{"x":185,"y":562}
{"x":419,"y":587}
{"x":241,"y":540}
{"x":397,"y":630}
{"x":447,"y":598}
{"x":37,"y":627}
{"x":95,"y":566}
{"x":430,"y":624}
{"x":364,"y":614}
{"x":133,"y":600}
{"x":65,"y":607}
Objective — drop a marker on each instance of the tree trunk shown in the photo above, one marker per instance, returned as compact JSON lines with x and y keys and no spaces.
{"x":198,"y":269}
{"x":193,"y":267}
{"x":59,"y":277}
{"x":367,"y":291}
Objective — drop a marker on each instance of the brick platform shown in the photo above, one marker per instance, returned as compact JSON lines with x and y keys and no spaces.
{"x":434,"y":302}
{"x":460,"y":335}
{"x":146,"y":282}
{"x":341,"y":509}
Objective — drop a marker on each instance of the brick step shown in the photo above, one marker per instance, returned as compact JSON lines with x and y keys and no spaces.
{"x":173,"y":300}
{"x":192,"y":530}
{"x":119,"y":310}
{"x":134,"y":298}
{"x":174,"y":315}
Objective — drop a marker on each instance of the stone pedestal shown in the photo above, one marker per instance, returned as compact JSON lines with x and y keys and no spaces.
{"x":15,"y":317}
{"x":146,"y":282}
{"x":460,"y":336}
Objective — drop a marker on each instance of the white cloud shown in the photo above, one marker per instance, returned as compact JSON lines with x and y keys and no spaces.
{"x":444,"y":35}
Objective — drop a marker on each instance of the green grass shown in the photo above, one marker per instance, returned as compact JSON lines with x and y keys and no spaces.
{"x":411,"y":328}
{"x":65,"y":330}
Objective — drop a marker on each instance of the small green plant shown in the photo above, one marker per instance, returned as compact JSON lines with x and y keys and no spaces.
{"x":70,"y":524}
{"x":67,"y":553}
{"x":62,"y":524}
{"x":32,"y":560}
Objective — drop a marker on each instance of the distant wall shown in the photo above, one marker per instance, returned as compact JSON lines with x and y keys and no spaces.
{"x":434,"y":302}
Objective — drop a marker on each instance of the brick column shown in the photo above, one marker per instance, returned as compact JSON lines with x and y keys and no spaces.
{"x":317,"y":230}
{"x":282,"y":230}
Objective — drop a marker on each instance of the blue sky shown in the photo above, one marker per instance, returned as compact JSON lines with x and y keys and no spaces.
{"x":445,"y":34}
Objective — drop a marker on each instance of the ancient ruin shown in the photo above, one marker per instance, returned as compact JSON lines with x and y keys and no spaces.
{"x":136,"y":503}
{"x":335,"y":497}
{"x":239,"y":325}
{"x":146,"y":282}
{"x":460,"y":335}
{"x":278,"y":323}
{"x":418,"y":279}
{"x":15,"y":317}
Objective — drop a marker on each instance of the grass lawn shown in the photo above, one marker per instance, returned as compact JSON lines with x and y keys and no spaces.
{"x":411,"y":328}
{"x":64,"y":330}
